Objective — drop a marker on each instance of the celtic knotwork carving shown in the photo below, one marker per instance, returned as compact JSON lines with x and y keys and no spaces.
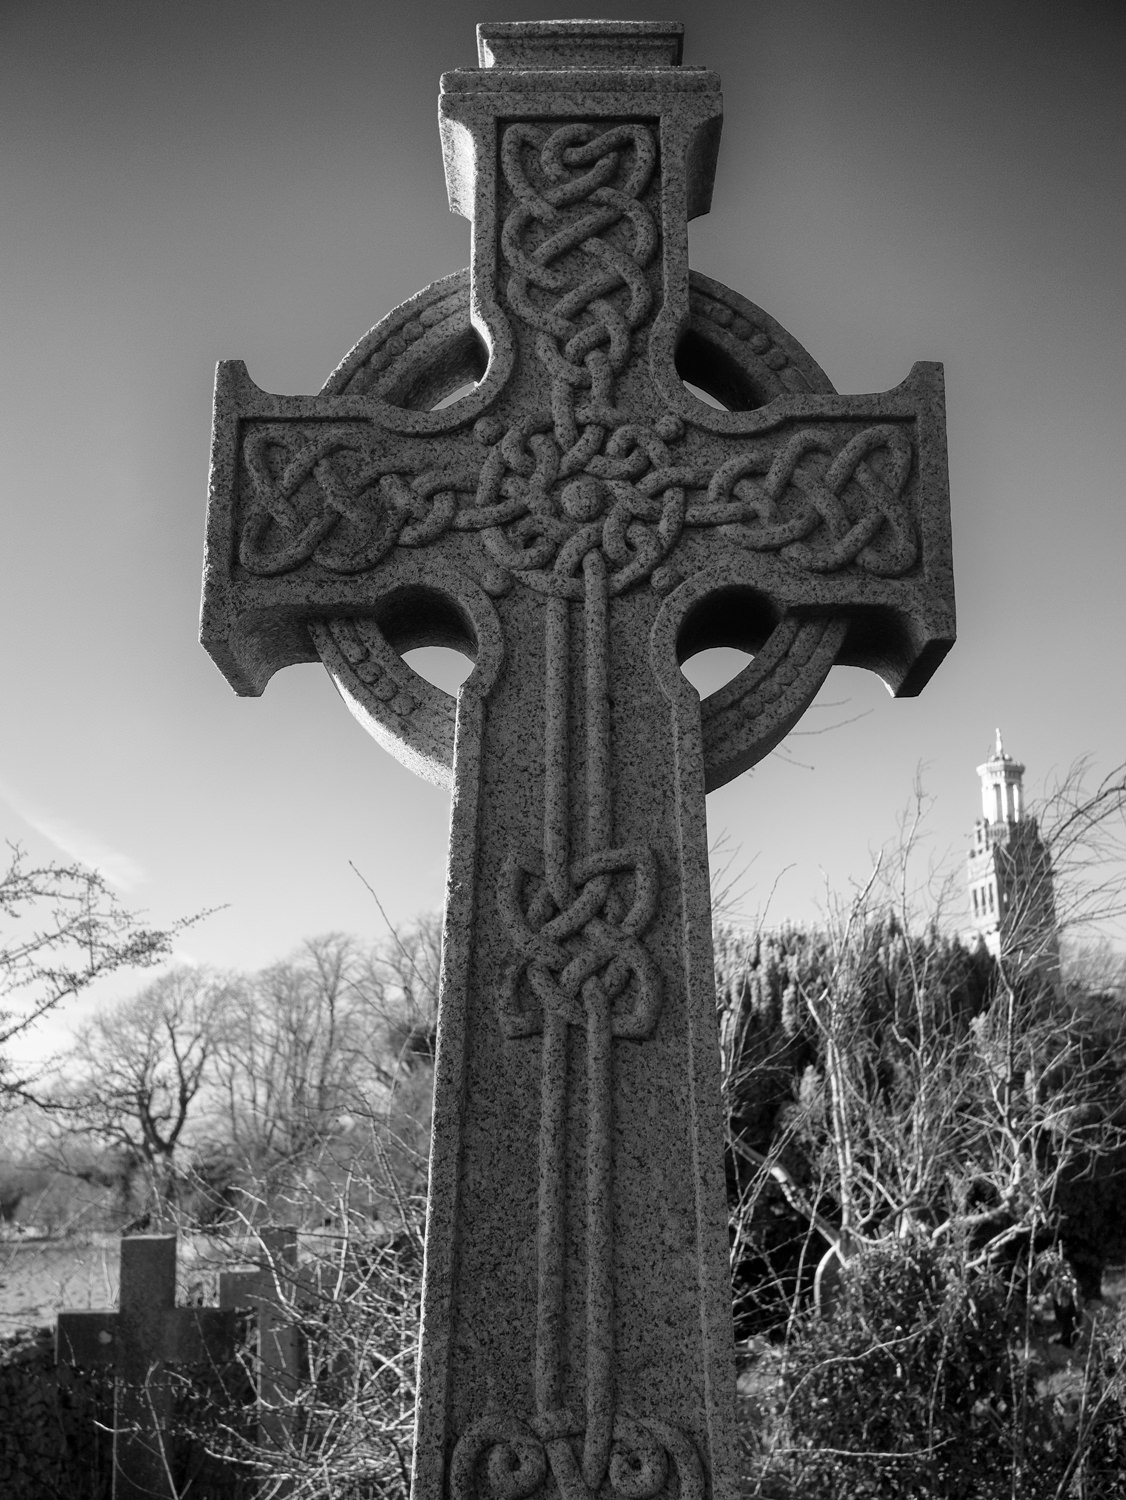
{"x":504,"y":1458}
{"x":594,"y":932}
{"x":851,"y":507}
{"x":334,"y":500}
{"x":583,"y":473}
{"x":333,"y":497}
{"x":440,"y":314}
{"x":628,"y":504}
{"x":578,"y":240}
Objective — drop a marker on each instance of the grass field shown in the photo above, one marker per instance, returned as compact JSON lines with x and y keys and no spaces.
{"x":40,"y":1278}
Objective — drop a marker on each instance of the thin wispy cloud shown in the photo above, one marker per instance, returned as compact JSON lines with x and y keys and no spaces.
{"x":183,"y":958}
{"x":77,"y":843}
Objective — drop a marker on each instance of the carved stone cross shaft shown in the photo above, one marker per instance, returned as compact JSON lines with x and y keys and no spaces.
{"x":579,"y":522}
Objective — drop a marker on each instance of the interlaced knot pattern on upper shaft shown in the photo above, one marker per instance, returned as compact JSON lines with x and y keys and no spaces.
{"x":583,"y":472}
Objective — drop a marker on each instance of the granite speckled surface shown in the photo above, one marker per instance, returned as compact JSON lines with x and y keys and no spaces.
{"x":578,"y":522}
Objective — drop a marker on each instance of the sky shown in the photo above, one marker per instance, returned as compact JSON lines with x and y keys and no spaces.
{"x":185,"y":183}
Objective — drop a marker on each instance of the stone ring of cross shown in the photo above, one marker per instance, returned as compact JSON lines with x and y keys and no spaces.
{"x":427,"y":349}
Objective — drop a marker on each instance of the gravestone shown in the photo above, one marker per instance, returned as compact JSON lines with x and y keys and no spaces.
{"x":578,"y":522}
{"x":269,"y":1293}
{"x":140,"y":1342}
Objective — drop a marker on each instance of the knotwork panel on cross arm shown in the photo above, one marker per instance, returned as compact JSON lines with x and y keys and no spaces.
{"x":827,"y":498}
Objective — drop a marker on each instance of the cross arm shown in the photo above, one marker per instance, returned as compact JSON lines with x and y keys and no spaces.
{"x":308,"y":497}
{"x":191,"y":1335}
{"x":86,"y":1338}
{"x":825,"y":505}
{"x":810,"y":506}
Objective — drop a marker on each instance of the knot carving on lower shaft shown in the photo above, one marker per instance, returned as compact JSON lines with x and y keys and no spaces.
{"x":594,"y":933}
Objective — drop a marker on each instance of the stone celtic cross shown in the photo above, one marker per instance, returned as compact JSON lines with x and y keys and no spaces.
{"x":579,"y":522}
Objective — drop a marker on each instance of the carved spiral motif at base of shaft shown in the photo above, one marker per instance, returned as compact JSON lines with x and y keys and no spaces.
{"x":504,"y":1458}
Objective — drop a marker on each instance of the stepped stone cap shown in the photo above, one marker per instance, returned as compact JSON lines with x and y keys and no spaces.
{"x":582,"y":69}
{"x":580,"y":44}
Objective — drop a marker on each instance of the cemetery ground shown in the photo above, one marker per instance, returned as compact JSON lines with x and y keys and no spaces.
{"x":906,"y":1314}
{"x":948,"y":1359}
{"x":981,"y":1178}
{"x":39,"y":1277}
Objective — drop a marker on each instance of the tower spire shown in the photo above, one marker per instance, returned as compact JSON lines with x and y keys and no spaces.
{"x":1012,"y":905}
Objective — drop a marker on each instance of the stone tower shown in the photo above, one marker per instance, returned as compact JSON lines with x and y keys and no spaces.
{"x":1012,"y":907}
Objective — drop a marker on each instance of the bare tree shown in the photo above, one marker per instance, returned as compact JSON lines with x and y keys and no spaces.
{"x":403,"y":1003}
{"x":287,"y":1051}
{"x":1093,"y":970}
{"x":316,"y":1052}
{"x":61,"y":929}
{"x":1083,"y":826}
{"x":134,"y":1078}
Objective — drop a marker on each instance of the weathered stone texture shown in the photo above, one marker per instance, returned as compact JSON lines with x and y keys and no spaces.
{"x":580,"y":523}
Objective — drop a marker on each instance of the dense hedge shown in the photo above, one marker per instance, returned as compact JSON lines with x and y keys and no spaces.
{"x":56,"y":1426}
{"x":55,"y":1423}
{"x":922,"y":1383}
